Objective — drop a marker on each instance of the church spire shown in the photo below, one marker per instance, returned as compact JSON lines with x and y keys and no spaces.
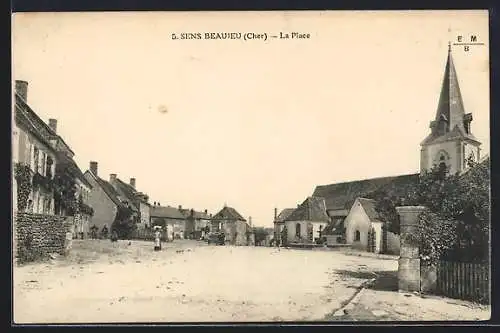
{"x":450,"y":111}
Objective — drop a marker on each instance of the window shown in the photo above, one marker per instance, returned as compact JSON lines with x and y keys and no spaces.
{"x":297,"y":230}
{"x":357,"y":236}
{"x":35,"y":159}
{"x":42,"y":164}
{"x":48,"y":167}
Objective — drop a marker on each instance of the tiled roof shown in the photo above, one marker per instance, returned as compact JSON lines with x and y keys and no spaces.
{"x":26,"y":118}
{"x":196,"y":214}
{"x":35,"y":123}
{"x":369,"y":208}
{"x":229,"y":213}
{"x":125,"y":194}
{"x":312,"y":209}
{"x":64,"y":160}
{"x":284,"y":214}
{"x":342,"y":195}
{"x":166,"y":212}
{"x":108,"y":189}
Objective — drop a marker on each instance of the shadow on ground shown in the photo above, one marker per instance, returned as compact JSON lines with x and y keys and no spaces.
{"x":385,"y":280}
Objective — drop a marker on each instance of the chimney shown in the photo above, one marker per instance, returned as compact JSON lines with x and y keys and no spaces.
{"x":154,"y":204}
{"x":22,"y":89}
{"x":53,"y":124}
{"x":132,"y":182}
{"x":250,"y":221}
{"x":180,"y":207}
{"x":112,"y":177}
{"x":275,"y":213}
{"x":93,"y":167}
{"x":206,"y":211}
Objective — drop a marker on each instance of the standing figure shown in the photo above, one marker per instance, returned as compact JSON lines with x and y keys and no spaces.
{"x":104,"y":232}
{"x":114,"y":236}
{"x":157,"y":239}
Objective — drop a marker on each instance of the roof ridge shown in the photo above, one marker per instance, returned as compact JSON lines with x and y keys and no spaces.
{"x":368,"y":179}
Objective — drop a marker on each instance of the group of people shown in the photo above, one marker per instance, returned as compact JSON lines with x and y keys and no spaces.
{"x":104,"y":233}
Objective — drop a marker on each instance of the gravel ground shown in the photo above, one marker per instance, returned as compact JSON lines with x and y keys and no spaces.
{"x":189,"y":281}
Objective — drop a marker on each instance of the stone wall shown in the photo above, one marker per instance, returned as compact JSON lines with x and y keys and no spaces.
{"x":39,"y":235}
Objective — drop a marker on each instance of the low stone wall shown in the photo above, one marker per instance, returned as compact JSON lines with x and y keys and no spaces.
{"x":39,"y":235}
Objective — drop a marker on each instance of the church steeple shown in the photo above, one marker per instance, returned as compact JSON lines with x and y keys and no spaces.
{"x":450,"y":143}
{"x":450,"y":111}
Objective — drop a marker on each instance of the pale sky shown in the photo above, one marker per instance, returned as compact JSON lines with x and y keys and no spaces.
{"x":254,"y":124}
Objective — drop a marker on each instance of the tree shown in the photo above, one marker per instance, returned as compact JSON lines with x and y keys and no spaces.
{"x":456,"y":225}
{"x":124,"y":223}
{"x":385,"y":205}
{"x":65,"y":189}
{"x":260,"y":234}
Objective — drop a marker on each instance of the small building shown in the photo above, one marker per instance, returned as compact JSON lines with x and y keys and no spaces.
{"x":233,"y":224}
{"x":364,"y":229}
{"x":105,"y":200}
{"x":279,"y":223}
{"x":197,"y":223}
{"x":363,"y":226}
{"x":137,"y":200}
{"x":169,"y":218}
{"x":306,"y":222}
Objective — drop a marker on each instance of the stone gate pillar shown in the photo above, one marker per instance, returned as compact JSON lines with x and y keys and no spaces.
{"x":409,"y":259}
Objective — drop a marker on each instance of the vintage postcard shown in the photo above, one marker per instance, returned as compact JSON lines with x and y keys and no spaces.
{"x":231,"y":167}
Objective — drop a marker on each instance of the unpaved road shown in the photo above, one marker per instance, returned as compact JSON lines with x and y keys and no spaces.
{"x":102,"y":282}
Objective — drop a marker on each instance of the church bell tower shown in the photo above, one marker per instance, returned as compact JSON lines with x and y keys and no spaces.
{"x":451,"y":143}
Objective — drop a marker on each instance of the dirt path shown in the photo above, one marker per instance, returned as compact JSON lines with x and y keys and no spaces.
{"x":101,"y":282}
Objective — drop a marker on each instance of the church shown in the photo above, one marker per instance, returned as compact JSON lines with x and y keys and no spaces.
{"x":450,"y":144}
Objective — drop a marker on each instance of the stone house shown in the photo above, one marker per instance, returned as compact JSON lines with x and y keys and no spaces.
{"x":137,"y":200}
{"x":104,"y":199}
{"x":169,"y":217}
{"x":196,"y":223}
{"x":83,"y":213}
{"x":279,"y":223}
{"x":233,"y":224}
{"x":33,"y":156}
{"x":306,"y":222}
{"x":449,"y":145}
{"x":68,"y":169}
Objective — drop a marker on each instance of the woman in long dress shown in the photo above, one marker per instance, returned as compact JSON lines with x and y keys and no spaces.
{"x":157,"y":240}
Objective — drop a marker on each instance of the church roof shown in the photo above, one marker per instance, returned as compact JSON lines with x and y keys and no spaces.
{"x":341,"y":196}
{"x":450,"y":109}
{"x":285,"y":213}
